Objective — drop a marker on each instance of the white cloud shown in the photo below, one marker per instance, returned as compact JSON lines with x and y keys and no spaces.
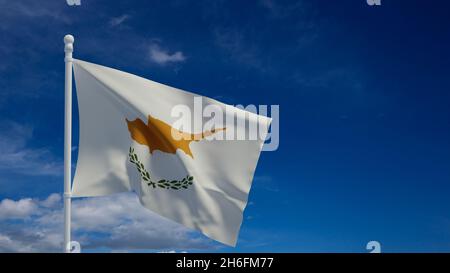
{"x":21,"y":230}
{"x":51,"y":201}
{"x":27,"y":207}
{"x":162,"y":56}
{"x":8,"y":245}
{"x":18,"y":158}
{"x":117,"y":21}
{"x":116,"y":222}
{"x":10,"y":209}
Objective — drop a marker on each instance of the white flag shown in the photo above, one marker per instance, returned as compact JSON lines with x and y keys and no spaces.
{"x":142,"y":136}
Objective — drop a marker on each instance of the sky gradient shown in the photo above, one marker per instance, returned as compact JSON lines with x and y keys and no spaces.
{"x":364,"y":96}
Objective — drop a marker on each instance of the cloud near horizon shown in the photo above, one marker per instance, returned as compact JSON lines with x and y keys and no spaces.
{"x":117,"y":223}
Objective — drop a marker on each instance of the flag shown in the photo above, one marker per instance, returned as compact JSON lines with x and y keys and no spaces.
{"x":176,"y":150}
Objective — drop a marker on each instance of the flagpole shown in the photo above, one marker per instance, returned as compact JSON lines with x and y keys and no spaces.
{"x":68,"y":49}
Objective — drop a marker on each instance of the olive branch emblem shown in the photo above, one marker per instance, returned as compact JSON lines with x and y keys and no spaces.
{"x":164,"y":184}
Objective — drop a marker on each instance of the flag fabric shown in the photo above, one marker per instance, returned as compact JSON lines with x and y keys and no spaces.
{"x":198,"y":176}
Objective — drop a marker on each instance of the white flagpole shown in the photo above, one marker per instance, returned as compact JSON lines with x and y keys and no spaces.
{"x":68,"y":49}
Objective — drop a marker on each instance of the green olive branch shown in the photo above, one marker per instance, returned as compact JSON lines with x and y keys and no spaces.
{"x":164,"y":184}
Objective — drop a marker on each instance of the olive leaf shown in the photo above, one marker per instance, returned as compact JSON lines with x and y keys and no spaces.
{"x":164,"y":184}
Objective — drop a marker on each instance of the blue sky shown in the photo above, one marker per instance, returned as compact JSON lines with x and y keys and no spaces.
{"x":364,"y":118}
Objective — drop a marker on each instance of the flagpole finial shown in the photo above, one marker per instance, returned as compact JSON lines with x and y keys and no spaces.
{"x":68,"y":41}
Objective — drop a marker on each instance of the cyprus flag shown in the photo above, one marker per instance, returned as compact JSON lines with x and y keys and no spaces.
{"x":188,"y":158}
